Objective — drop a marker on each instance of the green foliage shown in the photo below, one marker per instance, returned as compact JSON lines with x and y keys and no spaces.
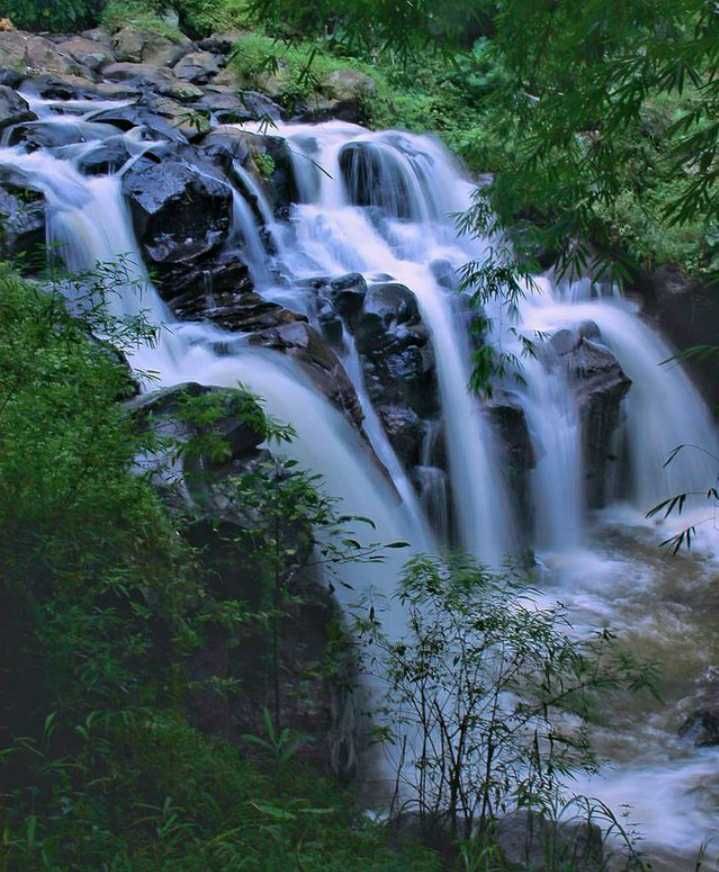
{"x":104,"y":600}
{"x":488,"y":698}
{"x":58,"y":15}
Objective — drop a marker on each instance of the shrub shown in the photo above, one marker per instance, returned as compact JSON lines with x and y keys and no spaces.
{"x":57,"y":15}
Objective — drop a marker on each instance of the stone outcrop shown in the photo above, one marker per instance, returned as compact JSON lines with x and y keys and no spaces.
{"x":182,"y":214}
{"x":687,"y":312}
{"x":600,"y":386}
{"x":701,"y":723}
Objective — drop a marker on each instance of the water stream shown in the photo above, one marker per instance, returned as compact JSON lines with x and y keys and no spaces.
{"x":382,"y":204}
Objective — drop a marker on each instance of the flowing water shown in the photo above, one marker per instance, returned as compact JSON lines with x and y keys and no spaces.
{"x":383,"y":204}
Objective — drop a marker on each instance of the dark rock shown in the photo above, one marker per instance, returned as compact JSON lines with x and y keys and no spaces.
{"x":228,"y":144}
{"x":304,"y":344}
{"x":405,"y":431}
{"x":238,"y":309}
{"x":199,"y":67}
{"x":14,"y":109}
{"x":147,"y":75}
{"x":220,"y":43}
{"x":181,"y":212}
{"x":142,"y":115}
{"x":510,"y":423}
{"x":374,"y":177}
{"x":701,"y":726}
{"x":395,"y":349}
{"x":108,"y":157}
{"x":10,"y":78}
{"x":600,"y":385}
{"x":52,"y":87}
{"x":163,"y":411}
{"x":22,"y":220}
{"x":445,"y":274}
{"x":687,"y":312}
{"x":529,"y":839}
{"x":41,"y":134}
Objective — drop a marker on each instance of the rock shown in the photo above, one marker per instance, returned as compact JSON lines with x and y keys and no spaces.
{"x":374,"y":177}
{"x":687,"y":312}
{"x":141,"y":115}
{"x":221,"y":43}
{"x":22,"y":220}
{"x":89,"y":53}
{"x":701,"y":726}
{"x":181,"y":213}
{"x":199,"y":67}
{"x":395,"y":349}
{"x":14,"y":109}
{"x":29,"y":54}
{"x":108,"y":157}
{"x":228,"y":144}
{"x":304,"y":344}
{"x":42,"y":134}
{"x":137,"y":46}
{"x":99,"y":35}
{"x":162,"y":410}
{"x":344,"y":94}
{"x":512,"y":429}
{"x":600,"y":385}
{"x":238,"y":309}
{"x":405,"y":431}
{"x":145,"y":75}
{"x":10,"y":78}
{"x":53,"y":87}
{"x":529,"y":839}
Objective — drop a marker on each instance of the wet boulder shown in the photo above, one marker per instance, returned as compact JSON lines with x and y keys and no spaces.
{"x":199,"y":67}
{"x":510,"y":424}
{"x":14,"y":109}
{"x":22,"y":219}
{"x":165,"y":411}
{"x":43,"y":134}
{"x":600,"y":385}
{"x":701,"y":724}
{"x":395,"y":349}
{"x":181,"y":212}
{"x":238,"y":309}
{"x":266,"y":158}
{"x":405,"y":431}
{"x":304,"y":344}
{"x":108,"y":157}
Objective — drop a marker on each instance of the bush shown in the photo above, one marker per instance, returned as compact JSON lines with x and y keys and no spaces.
{"x":57,"y":15}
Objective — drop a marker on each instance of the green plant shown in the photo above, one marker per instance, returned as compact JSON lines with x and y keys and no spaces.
{"x":487,"y":696}
{"x":51,"y":14}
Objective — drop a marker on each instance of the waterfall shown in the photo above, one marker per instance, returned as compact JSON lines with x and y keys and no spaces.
{"x":383,"y":205}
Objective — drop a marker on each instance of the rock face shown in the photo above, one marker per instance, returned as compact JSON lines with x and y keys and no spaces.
{"x":14,"y":109}
{"x":687,"y":311}
{"x":312,"y":701}
{"x":137,"y":46}
{"x":22,"y":219}
{"x":510,"y":424}
{"x":600,"y":385}
{"x":182,"y":214}
{"x":393,"y":347}
{"x":28,"y":54}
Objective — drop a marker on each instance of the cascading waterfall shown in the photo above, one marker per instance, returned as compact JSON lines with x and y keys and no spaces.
{"x":382,"y":204}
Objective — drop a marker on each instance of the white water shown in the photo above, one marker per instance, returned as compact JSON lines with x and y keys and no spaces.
{"x":405,"y":227}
